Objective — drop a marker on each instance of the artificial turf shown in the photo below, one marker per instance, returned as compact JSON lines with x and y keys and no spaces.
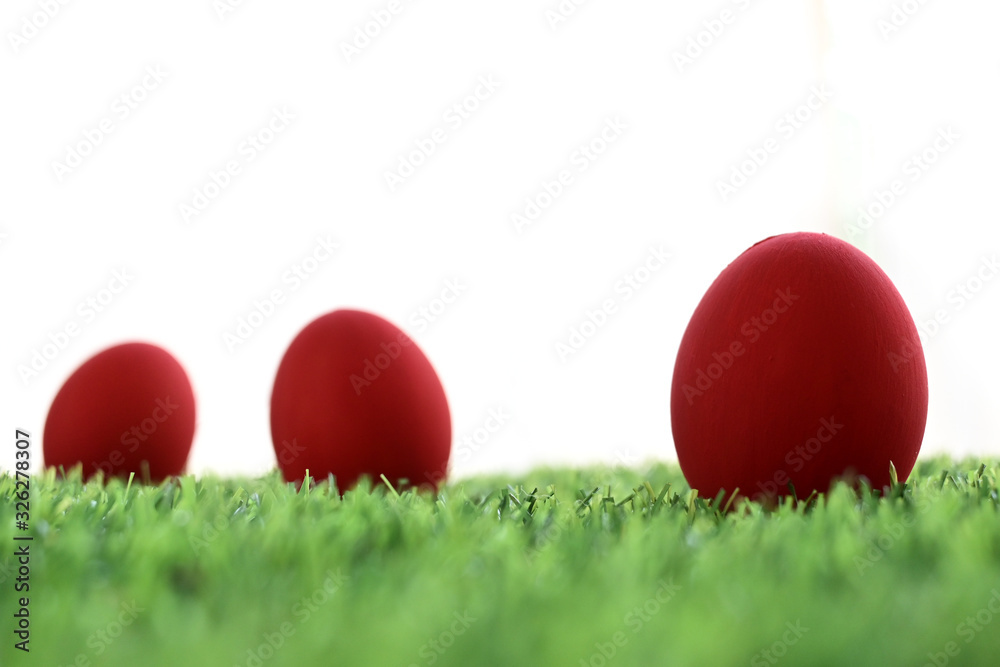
{"x":601,"y":566}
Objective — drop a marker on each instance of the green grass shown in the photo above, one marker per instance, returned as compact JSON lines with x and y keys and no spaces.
{"x":548,"y":569}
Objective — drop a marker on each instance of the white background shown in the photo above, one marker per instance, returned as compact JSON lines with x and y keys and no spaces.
{"x":687,"y":125}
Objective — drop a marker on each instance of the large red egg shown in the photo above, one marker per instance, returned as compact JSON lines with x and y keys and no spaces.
{"x":128,"y":407}
{"x":355,"y":396}
{"x":800,"y":364}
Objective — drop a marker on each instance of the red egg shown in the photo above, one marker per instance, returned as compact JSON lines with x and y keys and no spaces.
{"x":128,"y":407}
{"x":355,"y":396}
{"x":800,"y":364}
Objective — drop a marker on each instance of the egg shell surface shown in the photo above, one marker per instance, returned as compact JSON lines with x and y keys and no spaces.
{"x":354,"y":396}
{"x":800,"y":364}
{"x":128,"y":406}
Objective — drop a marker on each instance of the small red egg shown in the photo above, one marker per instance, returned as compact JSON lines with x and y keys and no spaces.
{"x":129,"y":406}
{"x":354,"y":396}
{"x":800,"y":364}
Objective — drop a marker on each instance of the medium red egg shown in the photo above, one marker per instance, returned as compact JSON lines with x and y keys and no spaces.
{"x":800,"y":364}
{"x":355,"y":396}
{"x":129,"y":406}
